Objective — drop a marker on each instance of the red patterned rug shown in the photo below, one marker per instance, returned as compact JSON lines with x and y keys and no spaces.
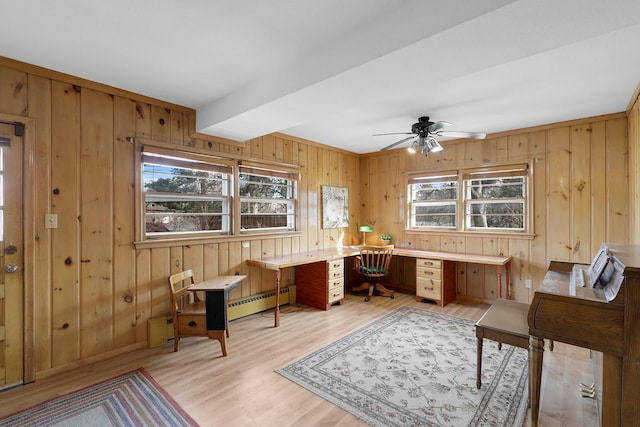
{"x":132,"y":399}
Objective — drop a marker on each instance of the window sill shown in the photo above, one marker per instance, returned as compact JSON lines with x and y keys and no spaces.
{"x":202,"y":240}
{"x":494,"y":234}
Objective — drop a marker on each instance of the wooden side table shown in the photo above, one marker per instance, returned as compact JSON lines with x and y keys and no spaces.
{"x":504,"y":322}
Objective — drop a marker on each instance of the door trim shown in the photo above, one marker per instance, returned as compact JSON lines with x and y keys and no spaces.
{"x":29,"y":236}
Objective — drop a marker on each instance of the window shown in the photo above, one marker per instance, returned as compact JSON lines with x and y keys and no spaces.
{"x":185,"y":193}
{"x":267,"y":198}
{"x":495,"y":199}
{"x":492,"y":199}
{"x":434,"y":201}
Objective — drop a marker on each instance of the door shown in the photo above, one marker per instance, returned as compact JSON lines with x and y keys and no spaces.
{"x":11,"y":258}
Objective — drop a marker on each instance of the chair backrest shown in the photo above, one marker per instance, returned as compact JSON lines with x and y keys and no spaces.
{"x":185,"y":279}
{"x":375,"y":260}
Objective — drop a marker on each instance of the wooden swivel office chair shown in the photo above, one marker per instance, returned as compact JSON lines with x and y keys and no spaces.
{"x":190,"y":318}
{"x":373,"y":263}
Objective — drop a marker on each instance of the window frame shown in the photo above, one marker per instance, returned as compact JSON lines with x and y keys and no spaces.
{"x":232,"y":200}
{"x":437,"y":178}
{"x":188,"y":161}
{"x":464,"y":202}
{"x":291,"y":200}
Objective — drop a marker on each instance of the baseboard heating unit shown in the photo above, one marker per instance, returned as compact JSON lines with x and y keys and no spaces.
{"x":256,"y":303}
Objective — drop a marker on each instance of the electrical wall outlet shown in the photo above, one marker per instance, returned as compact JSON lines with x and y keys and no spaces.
{"x":51,"y":221}
{"x":527,"y":283}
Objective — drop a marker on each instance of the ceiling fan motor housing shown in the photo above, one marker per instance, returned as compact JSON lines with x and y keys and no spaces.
{"x":422,"y":126}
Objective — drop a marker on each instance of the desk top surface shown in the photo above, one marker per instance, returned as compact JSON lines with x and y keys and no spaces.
{"x":291,"y":260}
{"x":219,"y":283}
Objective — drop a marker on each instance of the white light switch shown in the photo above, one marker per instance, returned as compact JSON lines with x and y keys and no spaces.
{"x":527,"y":283}
{"x":51,"y":221}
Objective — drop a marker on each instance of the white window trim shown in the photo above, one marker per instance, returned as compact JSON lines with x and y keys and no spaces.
{"x":508,"y":169}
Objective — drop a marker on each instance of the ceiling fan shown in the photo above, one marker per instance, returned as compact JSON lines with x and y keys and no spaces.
{"x":423,"y":134}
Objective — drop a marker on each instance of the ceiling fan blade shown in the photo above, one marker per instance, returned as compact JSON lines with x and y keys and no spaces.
{"x":437,"y":126}
{"x":393,"y":133}
{"x":476,"y":135}
{"x":398,"y":143}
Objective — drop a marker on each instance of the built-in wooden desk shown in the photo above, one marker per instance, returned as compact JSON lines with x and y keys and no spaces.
{"x":277,"y":263}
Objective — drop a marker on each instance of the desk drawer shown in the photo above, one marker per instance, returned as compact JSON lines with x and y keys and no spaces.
{"x":195,"y":325}
{"x":429,"y":288}
{"x":335,"y":268}
{"x":428,"y":273}
{"x":336,"y":283}
{"x":336,"y":294}
{"x":428,"y":263}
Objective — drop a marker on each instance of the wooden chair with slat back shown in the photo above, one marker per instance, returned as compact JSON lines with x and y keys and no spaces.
{"x":373,"y":263}
{"x":189,"y":318}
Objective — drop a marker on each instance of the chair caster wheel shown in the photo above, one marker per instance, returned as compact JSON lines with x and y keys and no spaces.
{"x":392,"y":296}
{"x":366,"y":299}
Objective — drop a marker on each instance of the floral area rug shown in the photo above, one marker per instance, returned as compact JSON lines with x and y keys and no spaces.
{"x":416,"y":367}
{"x":132,"y":399}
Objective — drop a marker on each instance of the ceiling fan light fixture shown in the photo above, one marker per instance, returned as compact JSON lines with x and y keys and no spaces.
{"x":433,"y":145}
{"x":413,"y":147}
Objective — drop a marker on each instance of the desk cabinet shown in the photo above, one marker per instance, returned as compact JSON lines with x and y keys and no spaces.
{"x":435,"y":280}
{"x":320,"y":284}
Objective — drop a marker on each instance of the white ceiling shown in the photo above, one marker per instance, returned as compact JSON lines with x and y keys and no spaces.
{"x":339,"y":71}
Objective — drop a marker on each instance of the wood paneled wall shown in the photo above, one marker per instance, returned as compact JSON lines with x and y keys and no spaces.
{"x":94,"y":286}
{"x":579,"y":189}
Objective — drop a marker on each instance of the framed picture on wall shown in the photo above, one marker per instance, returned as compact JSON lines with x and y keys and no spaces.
{"x":335,"y":207}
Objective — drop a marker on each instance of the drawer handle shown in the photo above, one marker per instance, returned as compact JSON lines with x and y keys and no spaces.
{"x":428,"y":289}
{"x":428,"y":263}
{"x":336,"y":265}
{"x":427,"y":272}
{"x":193,"y":323}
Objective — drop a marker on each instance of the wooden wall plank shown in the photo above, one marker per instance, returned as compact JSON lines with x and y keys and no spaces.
{"x":581,"y":181}
{"x":125,"y":324}
{"x":143,"y":292}
{"x":13,"y":92}
{"x":537,"y":263}
{"x":559,"y":187}
{"x":160,"y":124}
{"x":162,"y":265}
{"x":65,"y":240}
{"x":96,"y":210}
{"x":634,"y":172}
{"x":39,"y":99}
{"x":617,"y":178}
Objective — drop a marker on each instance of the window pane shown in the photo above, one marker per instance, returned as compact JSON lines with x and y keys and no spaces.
{"x":436,"y":191}
{"x":266,"y":202}
{"x":434,"y":204}
{"x":503,"y":188}
{"x":497,"y":215}
{"x":183,"y":200}
{"x":435,"y":215}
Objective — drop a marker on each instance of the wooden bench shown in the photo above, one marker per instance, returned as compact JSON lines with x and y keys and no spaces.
{"x":504,"y":322}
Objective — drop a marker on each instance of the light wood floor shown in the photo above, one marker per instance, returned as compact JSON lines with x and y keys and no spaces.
{"x":243,"y":389}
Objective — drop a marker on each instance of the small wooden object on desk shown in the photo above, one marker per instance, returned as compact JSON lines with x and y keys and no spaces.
{"x":504,"y":322}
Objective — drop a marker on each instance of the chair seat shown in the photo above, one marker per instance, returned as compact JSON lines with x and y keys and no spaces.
{"x":372,"y":270}
{"x":198,"y":307}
